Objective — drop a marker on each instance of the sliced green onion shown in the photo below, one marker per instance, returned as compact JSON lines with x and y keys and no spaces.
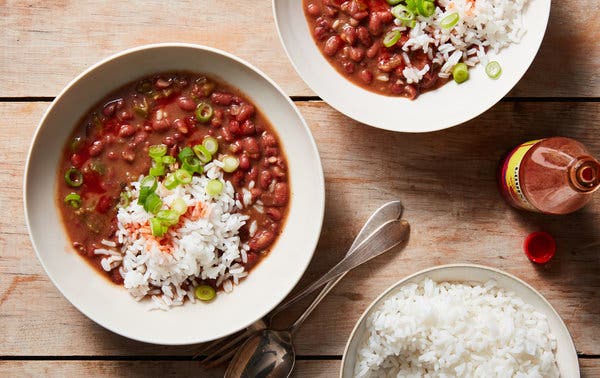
{"x":157,"y":227}
{"x":204,"y":112}
{"x":179,"y":206}
{"x":149,"y":182}
{"x":73,"y":177}
{"x":450,"y":20}
{"x":168,"y":217}
{"x":124,"y":198}
{"x":157,"y":151}
{"x":426,"y":7}
{"x":493,"y":70}
{"x":402,"y":13}
{"x":168,"y":160}
{"x":76,"y":143}
{"x":394,"y":2}
{"x":183,"y":176}
{"x":73,"y":200}
{"x":460,"y":73}
{"x":412,"y":5}
{"x":157,"y":170}
{"x":211,"y":145}
{"x":153,"y":203}
{"x":230,"y":163}
{"x":185,"y":152}
{"x":170,"y":182}
{"x":410,"y":24}
{"x":391,"y":38}
{"x":192,"y":164}
{"x":214,"y":188}
{"x":202,"y":153}
{"x":205,"y":292}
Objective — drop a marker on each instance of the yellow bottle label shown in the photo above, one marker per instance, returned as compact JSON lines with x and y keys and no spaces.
{"x":510,"y":178}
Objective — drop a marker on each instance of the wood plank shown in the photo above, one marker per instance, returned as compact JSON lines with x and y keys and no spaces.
{"x":314,"y":369}
{"x":446,"y":180}
{"x":110,"y":369}
{"x":37,"y":35}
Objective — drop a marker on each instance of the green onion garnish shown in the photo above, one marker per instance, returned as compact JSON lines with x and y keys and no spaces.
{"x":202,"y":153}
{"x":391,"y":38}
{"x":179,"y":206}
{"x":460,"y":73}
{"x":170,"y":181}
{"x":157,"y":151}
{"x":426,"y":7}
{"x":230,"y":163}
{"x":153,"y":203}
{"x":157,"y":170}
{"x":450,"y":20}
{"x":183,"y":176}
{"x":214,"y":187}
{"x":204,"y":112}
{"x":157,"y":227}
{"x":192,"y":164}
{"x":168,"y":160}
{"x":211,"y":145}
{"x":73,"y":177}
{"x":394,"y":2}
{"x":125,"y":198}
{"x":205,"y":292}
{"x":493,"y":70}
{"x":147,"y":185}
{"x":402,"y":13}
{"x":168,"y":217}
{"x":185,"y":152}
{"x":73,"y":200}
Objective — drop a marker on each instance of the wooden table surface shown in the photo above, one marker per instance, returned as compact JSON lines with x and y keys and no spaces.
{"x":446,"y":180}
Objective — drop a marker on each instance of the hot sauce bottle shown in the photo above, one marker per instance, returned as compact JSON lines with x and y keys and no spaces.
{"x":553,"y":176}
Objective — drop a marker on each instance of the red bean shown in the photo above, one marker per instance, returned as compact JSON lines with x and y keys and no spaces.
{"x":125,"y":115}
{"x":278,"y":197}
{"x":246,"y":112}
{"x":111,"y":107}
{"x":160,"y":121}
{"x":348,"y":66}
{"x":366,"y":76}
{"x":256,"y":193}
{"x":313,"y":9}
{"x":264,"y":179}
{"x":234,"y":127}
{"x":221,"y":98}
{"x":268,"y":140}
{"x":178,"y":137}
{"x":227,"y":135}
{"x":108,"y":138}
{"x":388,"y":65}
{"x":181,"y":126}
{"x":140,"y":137}
{"x":348,"y":34}
{"x":332,"y":45}
{"x":186,"y":103}
{"x":217,"y":118}
{"x":274,"y":213}
{"x":244,"y":162}
{"x":162,"y":83}
{"x":357,"y":54}
{"x":237,"y":177}
{"x":320,"y":33}
{"x":128,"y":155}
{"x":77,"y":160}
{"x":251,"y":147}
{"x":96,"y":148}
{"x":373,"y":50}
{"x":126,"y":130}
{"x":330,"y":12}
{"x":428,"y":80}
{"x":247,"y":128}
{"x":364,"y":36}
{"x":111,"y":155}
{"x":405,"y":90}
{"x":262,"y":240}
{"x":169,"y":141}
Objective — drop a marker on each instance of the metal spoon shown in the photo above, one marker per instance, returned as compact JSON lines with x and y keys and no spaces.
{"x":223,"y":350}
{"x":270,"y":353}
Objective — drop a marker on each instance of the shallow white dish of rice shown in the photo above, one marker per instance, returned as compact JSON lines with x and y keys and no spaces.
{"x":112,"y":305}
{"x":510,"y":30}
{"x":460,"y":320}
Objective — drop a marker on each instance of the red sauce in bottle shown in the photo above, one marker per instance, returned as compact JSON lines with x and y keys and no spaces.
{"x":552,"y":176}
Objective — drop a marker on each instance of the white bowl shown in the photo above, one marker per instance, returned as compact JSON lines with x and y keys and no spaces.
{"x":110,"y":305}
{"x":445,"y":107}
{"x":566,"y":355}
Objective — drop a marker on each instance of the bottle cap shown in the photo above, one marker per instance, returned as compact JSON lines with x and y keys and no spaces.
{"x":539,"y":247}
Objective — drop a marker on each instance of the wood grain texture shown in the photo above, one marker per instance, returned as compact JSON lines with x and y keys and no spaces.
{"x":590,"y":368}
{"x":46,"y":44}
{"x":446,"y":180}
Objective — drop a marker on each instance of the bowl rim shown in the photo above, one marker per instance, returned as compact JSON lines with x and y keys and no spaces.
{"x":403,"y":281}
{"x":352,"y":113}
{"x":320,"y":202}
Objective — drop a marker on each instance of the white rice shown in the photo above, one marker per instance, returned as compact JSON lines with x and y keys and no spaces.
{"x":484,"y":27}
{"x":204,"y":246}
{"x":456,"y":330}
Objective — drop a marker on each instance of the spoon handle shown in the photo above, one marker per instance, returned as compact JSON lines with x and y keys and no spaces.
{"x":386,"y":237}
{"x":387,"y":212}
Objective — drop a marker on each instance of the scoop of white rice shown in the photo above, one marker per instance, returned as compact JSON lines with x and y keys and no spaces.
{"x":205,"y":245}
{"x":456,"y":330}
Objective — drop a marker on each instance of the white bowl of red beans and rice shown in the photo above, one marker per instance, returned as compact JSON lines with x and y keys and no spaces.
{"x":111,"y":305}
{"x":338,"y":79}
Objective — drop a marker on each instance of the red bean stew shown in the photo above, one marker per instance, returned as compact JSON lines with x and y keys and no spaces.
{"x":350,"y":35}
{"x":109,"y":149}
